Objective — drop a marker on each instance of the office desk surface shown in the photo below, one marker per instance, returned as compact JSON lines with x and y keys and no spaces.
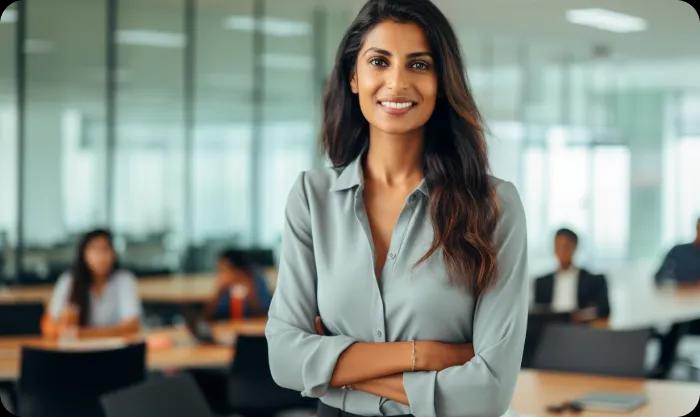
{"x":642,"y":304}
{"x":634,"y":304}
{"x":536,"y":390}
{"x":175,"y":289}
{"x":165,"y":289}
{"x":182,"y":353}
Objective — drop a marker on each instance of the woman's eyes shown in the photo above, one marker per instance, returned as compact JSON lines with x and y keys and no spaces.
{"x":378,"y":62}
{"x":420,"y":65}
{"x":416,"y":65}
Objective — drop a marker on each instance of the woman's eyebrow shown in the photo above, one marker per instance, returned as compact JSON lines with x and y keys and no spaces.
{"x":377,"y":50}
{"x":387,"y":53}
{"x":417,"y":54}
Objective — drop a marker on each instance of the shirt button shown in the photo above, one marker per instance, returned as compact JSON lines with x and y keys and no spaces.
{"x":379,"y":333}
{"x":392,"y":255}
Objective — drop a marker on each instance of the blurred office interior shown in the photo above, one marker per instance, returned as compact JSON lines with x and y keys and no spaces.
{"x":181,"y":125}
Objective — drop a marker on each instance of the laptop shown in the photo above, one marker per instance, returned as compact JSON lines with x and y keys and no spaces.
{"x":198,"y":327}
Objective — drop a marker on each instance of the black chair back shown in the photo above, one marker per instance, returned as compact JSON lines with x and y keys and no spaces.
{"x":577,"y":348}
{"x":537,"y":321}
{"x":251,"y":354}
{"x":20,"y":319}
{"x":176,"y":396}
{"x":57,"y":383}
{"x":251,"y":389}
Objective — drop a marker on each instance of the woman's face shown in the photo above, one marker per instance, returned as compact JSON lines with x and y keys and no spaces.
{"x":395,"y":78}
{"x":99,"y":256}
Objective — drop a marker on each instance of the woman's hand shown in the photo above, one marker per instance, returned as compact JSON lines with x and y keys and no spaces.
{"x":223,"y":282}
{"x":320,"y":327}
{"x":436,"y":356}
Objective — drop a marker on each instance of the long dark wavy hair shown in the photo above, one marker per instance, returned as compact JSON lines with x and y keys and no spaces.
{"x":463,"y":205}
{"x":82,"y":275}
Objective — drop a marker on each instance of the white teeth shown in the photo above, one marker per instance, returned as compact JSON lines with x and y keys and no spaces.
{"x":396,"y":105}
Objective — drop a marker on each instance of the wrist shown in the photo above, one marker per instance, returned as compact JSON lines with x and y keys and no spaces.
{"x":418,"y":361}
{"x":400,"y":356}
{"x":413,"y":355}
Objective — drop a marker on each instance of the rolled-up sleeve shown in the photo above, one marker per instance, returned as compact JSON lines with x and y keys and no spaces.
{"x":129,"y":300}
{"x":484,"y":385}
{"x":299,"y":358}
{"x":60,"y":295}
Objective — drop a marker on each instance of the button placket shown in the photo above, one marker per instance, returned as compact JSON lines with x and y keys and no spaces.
{"x":401,"y":227}
{"x":361,"y":216}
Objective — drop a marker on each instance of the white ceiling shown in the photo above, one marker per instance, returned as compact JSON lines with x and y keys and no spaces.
{"x":73,"y":67}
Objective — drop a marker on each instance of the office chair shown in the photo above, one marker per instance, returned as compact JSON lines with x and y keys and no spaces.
{"x":251,"y":389}
{"x":248,"y":388}
{"x":176,"y":396}
{"x":21,"y":319}
{"x":537,"y":321}
{"x":575,"y":348}
{"x":69,"y":383}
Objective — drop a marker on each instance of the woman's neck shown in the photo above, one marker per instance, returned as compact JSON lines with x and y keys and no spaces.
{"x":98,"y":282}
{"x":394,"y":160}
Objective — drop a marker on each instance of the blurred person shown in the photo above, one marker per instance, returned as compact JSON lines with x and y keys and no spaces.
{"x":571,"y":288}
{"x":241,"y":292}
{"x":241,"y":289}
{"x":401,"y":287}
{"x":682,"y":267}
{"x":94,"y":298}
{"x":682,"y":263}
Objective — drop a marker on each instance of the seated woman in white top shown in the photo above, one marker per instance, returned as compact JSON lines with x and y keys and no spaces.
{"x":94,"y":296}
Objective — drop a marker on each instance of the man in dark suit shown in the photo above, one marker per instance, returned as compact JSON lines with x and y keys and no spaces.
{"x":571,"y":288}
{"x":681,"y":267}
{"x":682,"y":263}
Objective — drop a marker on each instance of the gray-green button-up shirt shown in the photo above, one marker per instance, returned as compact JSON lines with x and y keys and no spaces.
{"x":327,"y":269}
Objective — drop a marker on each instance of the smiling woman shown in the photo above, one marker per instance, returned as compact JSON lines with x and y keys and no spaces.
{"x":401,"y":287}
{"x":396,"y":83}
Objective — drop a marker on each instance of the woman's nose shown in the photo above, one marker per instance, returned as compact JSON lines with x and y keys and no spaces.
{"x":396,"y":78}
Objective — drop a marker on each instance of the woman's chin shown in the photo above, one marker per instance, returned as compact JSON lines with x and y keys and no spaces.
{"x":395,"y":128}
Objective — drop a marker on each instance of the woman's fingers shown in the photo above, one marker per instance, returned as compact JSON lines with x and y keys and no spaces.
{"x":469,"y":351}
{"x":319,"y":326}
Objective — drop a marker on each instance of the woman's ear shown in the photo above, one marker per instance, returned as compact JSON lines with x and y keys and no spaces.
{"x":353,"y":83}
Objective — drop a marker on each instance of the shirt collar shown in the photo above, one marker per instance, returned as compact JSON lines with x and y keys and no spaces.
{"x":572,"y":269}
{"x":352,"y":176}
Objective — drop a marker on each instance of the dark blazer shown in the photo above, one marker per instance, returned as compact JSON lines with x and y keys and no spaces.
{"x":592,"y":291}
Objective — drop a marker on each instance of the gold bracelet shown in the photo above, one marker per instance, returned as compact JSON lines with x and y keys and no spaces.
{"x":413,"y":355}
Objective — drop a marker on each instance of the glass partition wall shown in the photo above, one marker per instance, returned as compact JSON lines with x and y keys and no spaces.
{"x":8,"y":143}
{"x":182,"y":125}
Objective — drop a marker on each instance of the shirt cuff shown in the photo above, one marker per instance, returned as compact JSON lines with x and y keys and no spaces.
{"x":420,"y":390}
{"x":318,"y":367}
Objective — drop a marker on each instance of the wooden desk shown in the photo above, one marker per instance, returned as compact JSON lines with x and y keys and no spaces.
{"x":176,"y":289}
{"x":25,"y":294}
{"x":641,"y":304}
{"x":535,"y":390}
{"x":184,"y":353}
{"x":173,"y":289}
{"x":634,"y":304}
